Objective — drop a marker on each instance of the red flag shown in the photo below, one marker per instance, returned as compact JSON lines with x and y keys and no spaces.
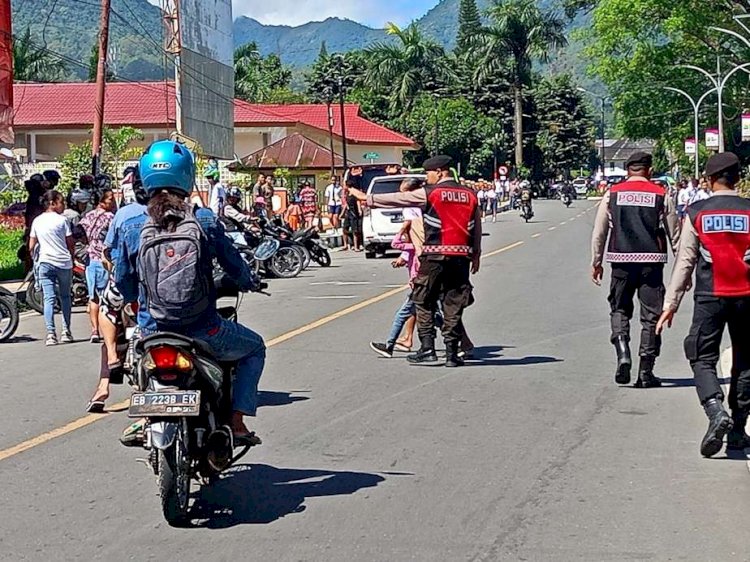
{"x":6,"y":74}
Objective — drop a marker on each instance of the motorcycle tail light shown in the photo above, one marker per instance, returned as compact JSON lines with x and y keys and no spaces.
{"x":166,"y":358}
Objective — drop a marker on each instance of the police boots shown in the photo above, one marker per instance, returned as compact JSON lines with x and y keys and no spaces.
{"x":646,"y":378}
{"x":737,"y":439}
{"x":624,"y":360}
{"x":452,"y":358}
{"x":425,"y":355}
{"x":719,"y":424}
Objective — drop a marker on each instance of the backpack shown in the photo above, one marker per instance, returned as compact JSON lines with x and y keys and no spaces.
{"x":174,"y":268}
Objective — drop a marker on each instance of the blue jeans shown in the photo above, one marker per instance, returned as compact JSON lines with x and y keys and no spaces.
{"x":96,"y":279}
{"x":406,"y":311}
{"x":233,"y":342}
{"x":56,"y":284}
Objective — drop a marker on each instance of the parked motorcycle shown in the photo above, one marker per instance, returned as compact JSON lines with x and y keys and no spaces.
{"x":8,"y":315}
{"x":185,"y":395}
{"x":285,"y":261}
{"x":310,"y":240}
{"x":78,"y":289}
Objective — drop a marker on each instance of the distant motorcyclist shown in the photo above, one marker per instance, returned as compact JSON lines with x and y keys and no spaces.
{"x":232,"y":211}
{"x":146,"y":270}
{"x":526,"y":195}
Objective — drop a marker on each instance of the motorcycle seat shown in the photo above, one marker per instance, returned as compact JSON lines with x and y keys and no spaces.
{"x":176,"y":340}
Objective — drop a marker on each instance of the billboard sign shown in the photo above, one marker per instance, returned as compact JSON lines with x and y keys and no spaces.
{"x":745,"y":127}
{"x":712,"y":139}
{"x":207,"y":75}
{"x":690,"y":146}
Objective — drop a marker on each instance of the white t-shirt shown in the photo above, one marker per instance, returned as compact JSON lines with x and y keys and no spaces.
{"x":491,"y":194}
{"x":218,"y":198}
{"x":50,"y":231}
{"x":333,"y":194}
{"x":699,"y":195}
{"x":683,"y":196}
{"x":480,"y":194}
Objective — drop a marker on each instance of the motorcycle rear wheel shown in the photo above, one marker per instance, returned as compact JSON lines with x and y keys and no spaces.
{"x":322,"y":257}
{"x":8,"y":318}
{"x":35,"y":299}
{"x":286,"y":263}
{"x":174,"y":481}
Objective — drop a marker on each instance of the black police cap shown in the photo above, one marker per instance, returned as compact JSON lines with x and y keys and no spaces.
{"x":722,"y":162}
{"x":440,"y":162}
{"x":640,"y":159}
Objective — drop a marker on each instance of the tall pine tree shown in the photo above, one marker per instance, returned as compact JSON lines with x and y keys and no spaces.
{"x":469,"y":23}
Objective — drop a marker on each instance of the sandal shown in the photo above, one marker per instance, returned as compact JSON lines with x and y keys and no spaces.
{"x":95,"y":407}
{"x":247,"y":440}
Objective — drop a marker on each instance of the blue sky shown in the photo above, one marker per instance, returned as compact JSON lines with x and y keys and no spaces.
{"x":295,"y":12}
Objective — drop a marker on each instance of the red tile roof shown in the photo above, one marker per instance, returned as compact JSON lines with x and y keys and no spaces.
{"x":152,"y":104}
{"x":295,"y":152}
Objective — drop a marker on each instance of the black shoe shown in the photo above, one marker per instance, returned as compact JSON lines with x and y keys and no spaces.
{"x":646,"y":377}
{"x":452,"y":358}
{"x":737,"y":439}
{"x":624,"y":360}
{"x":423,"y":356}
{"x":382,"y":349}
{"x":719,"y":424}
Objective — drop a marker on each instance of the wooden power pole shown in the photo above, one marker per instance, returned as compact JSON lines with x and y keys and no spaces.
{"x":101,"y":79}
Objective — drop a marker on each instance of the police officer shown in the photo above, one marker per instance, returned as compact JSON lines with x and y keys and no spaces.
{"x":452,"y":249}
{"x":637,"y":216}
{"x":716,"y":239}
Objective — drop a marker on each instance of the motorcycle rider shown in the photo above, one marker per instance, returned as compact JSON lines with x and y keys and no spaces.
{"x":526,"y":196}
{"x":716,"y":240}
{"x":168,"y":173}
{"x":232,"y":211}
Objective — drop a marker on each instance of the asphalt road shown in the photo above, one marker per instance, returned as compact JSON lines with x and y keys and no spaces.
{"x":530,"y":453}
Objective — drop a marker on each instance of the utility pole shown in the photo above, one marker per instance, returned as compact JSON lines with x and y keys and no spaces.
{"x":343,"y":121}
{"x":604,"y":154}
{"x":329,"y":101}
{"x":174,"y":48}
{"x":101,"y":79}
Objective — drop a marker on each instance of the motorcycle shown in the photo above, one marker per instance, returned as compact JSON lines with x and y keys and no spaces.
{"x":566,"y":199}
{"x":284,"y":258}
{"x":184,"y":394}
{"x":8,"y":315}
{"x":310,"y":240}
{"x":78,"y":289}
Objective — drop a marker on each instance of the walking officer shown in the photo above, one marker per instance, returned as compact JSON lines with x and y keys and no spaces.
{"x":716,"y":240}
{"x":637,"y":216}
{"x":451,"y":251}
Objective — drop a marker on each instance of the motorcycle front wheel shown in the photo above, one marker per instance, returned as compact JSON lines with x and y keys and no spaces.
{"x":174,"y":481}
{"x":286,"y":263}
{"x":8,"y":318}
{"x":323,"y":257}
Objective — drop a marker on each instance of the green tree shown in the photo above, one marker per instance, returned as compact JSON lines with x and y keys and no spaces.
{"x":519,"y":34}
{"x":322,"y":79}
{"x":411,"y":66}
{"x":116,"y":144}
{"x":258,"y":79}
{"x":323,"y":54}
{"x":469,"y":23}
{"x":34,"y":63}
{"x":566,"y":130}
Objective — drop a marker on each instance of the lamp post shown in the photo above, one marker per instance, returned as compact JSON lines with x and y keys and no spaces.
{"x":601,"y":99}
{"x":719,"y":82}
{"x":696,"y":125}
{"x":495,"y":175}
{"x":328,"y":93}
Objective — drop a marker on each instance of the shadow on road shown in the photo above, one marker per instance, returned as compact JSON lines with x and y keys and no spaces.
{"x":490,"y":355}
{"x":22,"y":339}
{"x":681,"y":383}
{"x":260,"y":494}
{"x":272,"y":398}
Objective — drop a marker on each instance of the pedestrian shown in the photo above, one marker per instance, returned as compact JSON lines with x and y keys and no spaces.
{"x":333,"y":198}
{"x":293,"y":215}
{"x":452,"y":250}
{"x":217,"y":194}
{"x":352,"y":218}
{"x":716,"y":241}
{"x":482,"y":200}
{"x":491,"y":199}
{"x":683,"y":199}
{"x":267,"y":193}
{"x":309,"y":203}
{"x":637,"y":217}
{"x":257,"y":190}
{"x":96,"y":226}
{"x":51,"y":236}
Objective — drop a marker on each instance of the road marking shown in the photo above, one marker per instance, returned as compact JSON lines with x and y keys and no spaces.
{"x":537,"y":235}
{"x":563,"y":223}
{"x":341,"y":283}
{"x":572,"y":218}
{"x":92,"y":418}
{"x":332,"y":297}
{"x":551,"y":228}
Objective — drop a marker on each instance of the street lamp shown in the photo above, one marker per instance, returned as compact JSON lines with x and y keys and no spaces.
{"x":696,"y":125}
{"x":719,"y":83}
{"x":601,"y":99}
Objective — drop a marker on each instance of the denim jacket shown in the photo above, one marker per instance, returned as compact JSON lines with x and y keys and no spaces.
{"x":126,"y":270}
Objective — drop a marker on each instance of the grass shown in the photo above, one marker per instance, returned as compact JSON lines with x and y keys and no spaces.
{"x":10,"y":267}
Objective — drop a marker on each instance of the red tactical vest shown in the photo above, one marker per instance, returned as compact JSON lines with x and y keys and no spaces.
{"x":636,"y":213}
{"x":448,"y":218}
{"x":723,"y":226}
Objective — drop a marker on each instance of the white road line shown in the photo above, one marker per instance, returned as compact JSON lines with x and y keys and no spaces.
{"x":563,"y":223}
{"x":537,"y":235}
{"x":342,"y":283}
{"x":332,"y":297}
{"x":572,"y":218}
{"x":551,"y":228}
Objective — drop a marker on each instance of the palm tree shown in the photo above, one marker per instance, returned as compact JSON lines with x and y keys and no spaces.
{"x":519,"y":34}
{"x":34,"y":63}
{"x":411,"y":66}
{"x":249,"y":84}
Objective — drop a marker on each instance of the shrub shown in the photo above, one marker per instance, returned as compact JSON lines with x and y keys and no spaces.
{"x":10,"y":241}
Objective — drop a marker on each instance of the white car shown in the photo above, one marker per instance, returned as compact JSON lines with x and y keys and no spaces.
{"x":379,"y":226}
{"x":581,"y":186}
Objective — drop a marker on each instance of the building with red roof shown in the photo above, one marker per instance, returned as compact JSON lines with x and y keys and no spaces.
{"x":49,"y":117}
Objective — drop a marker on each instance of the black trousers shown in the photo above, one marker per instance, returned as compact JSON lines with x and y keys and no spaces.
{"x":703,"y":348}
{"x":441,"y":279}
{"x":647,"y":281}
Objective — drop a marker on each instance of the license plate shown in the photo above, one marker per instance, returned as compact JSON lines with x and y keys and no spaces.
{"x":165,"y":404}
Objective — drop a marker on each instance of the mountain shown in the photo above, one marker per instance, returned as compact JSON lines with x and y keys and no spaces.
{"x":70,"y":29}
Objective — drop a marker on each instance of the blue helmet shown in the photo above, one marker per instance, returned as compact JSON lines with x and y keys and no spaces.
{"x":167,"y":164}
